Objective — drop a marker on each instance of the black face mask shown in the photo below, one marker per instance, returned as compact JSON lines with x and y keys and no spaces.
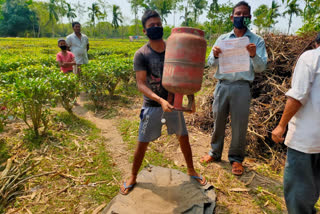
{"x":241,"y":22}
{"x":155,"y":33}
{"x":64,"y":47}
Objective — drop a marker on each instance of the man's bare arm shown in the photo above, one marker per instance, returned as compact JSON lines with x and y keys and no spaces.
{"x":291,"y":108}
{"x":66,"y":64}
{"x":141,"y":77}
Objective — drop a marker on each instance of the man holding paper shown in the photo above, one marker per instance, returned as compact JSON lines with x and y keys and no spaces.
{"x":237,"y":56}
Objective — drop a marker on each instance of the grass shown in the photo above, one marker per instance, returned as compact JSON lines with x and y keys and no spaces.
{"x":84,"y":174}
{"x":266,"y":170}
{"x":101,"y":161}
{"x":129,"y":131}
{"x":76,"y":124}
{"x":109,"y":106}
{"x":264,"y":199}
{"x":105,"y":172}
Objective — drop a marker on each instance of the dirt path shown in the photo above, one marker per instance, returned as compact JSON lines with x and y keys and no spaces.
{"x":253,"y":192}
{"x":114,"y":143}
{"x":250,"y":193}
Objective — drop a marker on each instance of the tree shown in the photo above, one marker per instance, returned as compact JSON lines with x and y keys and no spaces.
{"x":219,"y":18}
{"x":309,"y":10}
{"x":80,"y":9}
{"x":175,"y":8}
{"x":35,"y":23}
{"x":292,"y":9}
{"x":17,"y":18}
{"x":94,"y":13}
{"x":61,"y":10}
{"x":135,"y":4}
{"x":214,"y":7}
{"x":41,"y":11}
{"x":311,"y":17}
{"x":116,"y":16}
{"x":1,"y":3}
{"x":103,"y":16}
{"x":273,"y":14}
{"x":198,"y":7}
{"x":70,"y":13}
{"x":53,"y":15}
{"x":261,"y":17}
{"x":163,"y":7}
{"x":186,"y":19}
{"x":103,"y":9}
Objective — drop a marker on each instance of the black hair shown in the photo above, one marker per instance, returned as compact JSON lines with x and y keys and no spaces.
{"x":75,"y":23}
{"x":147,"y":15}
{"x":241,"y":3}
{"x":60,"y":40}
{"x":317,"y":40}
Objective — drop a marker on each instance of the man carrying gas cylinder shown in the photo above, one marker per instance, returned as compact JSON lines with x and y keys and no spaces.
{"x":156,"y":110}
{"x":232,"y":93}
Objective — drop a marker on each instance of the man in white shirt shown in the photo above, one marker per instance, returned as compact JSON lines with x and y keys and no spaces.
{"x":78,"y":44}
{"x":301,"y":178}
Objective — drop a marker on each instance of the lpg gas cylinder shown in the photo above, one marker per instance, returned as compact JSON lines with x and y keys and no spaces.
{"x":184,"y":64}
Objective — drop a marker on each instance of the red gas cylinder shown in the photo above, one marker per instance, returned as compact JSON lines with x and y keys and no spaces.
{"x":184,"y":64}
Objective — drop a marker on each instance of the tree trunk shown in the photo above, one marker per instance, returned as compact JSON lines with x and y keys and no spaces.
{"x":39,"y":28}
{"x":34,"y":31}
{"x":289,"y":23}
{"x":52,"y":29}
{"x":135,"y":20}
{"x":94,"y":28}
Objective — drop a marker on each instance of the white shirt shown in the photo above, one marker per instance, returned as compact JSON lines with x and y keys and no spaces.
{"x":78,"y":47}
{"x":304,"y":127}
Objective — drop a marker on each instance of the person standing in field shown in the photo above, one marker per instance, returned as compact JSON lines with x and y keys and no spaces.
{"x":232,"y":93}
{"x":156,"y":110}
{"x":301,"y":178}
{"x":79,"y":45}
{"x":65,"y":58}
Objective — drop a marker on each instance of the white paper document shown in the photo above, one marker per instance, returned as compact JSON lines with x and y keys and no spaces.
{"x":235,"y":56}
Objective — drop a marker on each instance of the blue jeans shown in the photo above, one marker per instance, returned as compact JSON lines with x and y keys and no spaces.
{"x":301,"y":182}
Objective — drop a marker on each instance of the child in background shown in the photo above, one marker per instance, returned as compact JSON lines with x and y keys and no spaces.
{"x":65,"y":58}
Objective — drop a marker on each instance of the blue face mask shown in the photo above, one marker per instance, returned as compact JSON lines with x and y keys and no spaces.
{"x":155,"y":33}
{"x":241,"y":22}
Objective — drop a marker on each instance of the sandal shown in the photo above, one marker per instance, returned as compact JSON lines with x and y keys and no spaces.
{"x":200,"y":179}
{"x":129,"y":188}
{"x":208,"y":159}
{"x":237,"y":168}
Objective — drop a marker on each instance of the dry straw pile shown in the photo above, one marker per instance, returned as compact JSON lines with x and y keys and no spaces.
{"x":268,"y":92}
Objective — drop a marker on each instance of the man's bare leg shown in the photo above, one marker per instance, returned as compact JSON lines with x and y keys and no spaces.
{"x":137,"y":161}
{"x":187,"y":153}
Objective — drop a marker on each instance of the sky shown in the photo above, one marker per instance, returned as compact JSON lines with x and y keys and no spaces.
{"x":172,"y":19}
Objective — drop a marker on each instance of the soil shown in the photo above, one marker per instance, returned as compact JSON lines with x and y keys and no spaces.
{"x":234,"y":195}
{"x":114,"y":143}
